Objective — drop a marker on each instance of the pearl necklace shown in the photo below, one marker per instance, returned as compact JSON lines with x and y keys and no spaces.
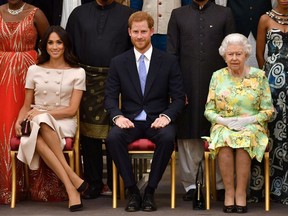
{"x":15,"y":12}
{"x":279,"y":14}
{"x":280,"y":20}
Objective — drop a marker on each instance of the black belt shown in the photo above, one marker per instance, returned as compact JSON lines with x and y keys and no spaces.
{"x":95,"y":70}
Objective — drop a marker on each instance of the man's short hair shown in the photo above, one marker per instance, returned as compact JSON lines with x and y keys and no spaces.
{"x":140,"y":16}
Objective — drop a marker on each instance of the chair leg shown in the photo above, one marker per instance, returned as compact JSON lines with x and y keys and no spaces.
{"x":71,"y":160}
{"x":213,"y":178}
{"x":173,"y":180}
{"x":114,"y":193}
{"x":77,"y":161}
{"x":267,"y":181}
{"x":207,"y":179}
{"x":14,"y":179}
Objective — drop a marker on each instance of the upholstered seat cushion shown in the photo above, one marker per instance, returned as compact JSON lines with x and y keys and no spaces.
{"x":15,"y":142}
{"x":141,"y":145}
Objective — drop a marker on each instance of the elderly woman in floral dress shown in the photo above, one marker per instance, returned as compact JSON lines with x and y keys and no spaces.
{"x":238,"y":106}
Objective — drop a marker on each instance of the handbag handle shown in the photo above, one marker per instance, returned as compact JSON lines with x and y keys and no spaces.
{"x":199,"y":172}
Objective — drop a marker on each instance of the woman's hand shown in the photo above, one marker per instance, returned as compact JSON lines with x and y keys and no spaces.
{"x":18,"y":128}
{"x":32,"y":113}
{"x":241,"y":122}
{"x":225,"y":121}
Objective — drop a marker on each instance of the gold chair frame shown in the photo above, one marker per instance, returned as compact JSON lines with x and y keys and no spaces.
{"x":208,"y":159}
{"x":122,"y":192}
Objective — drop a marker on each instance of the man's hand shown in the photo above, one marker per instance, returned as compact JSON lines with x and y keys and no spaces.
{"x":123,"y":122}
{"x":160,"y":122}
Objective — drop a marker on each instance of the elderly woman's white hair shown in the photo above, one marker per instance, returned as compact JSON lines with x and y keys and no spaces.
{"x":235,"y":39}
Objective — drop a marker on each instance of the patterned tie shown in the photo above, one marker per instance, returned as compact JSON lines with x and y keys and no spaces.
{"x":142,"y":76}
{"x":142,"y":73}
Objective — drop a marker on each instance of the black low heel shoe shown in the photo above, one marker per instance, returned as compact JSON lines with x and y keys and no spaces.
{"x":77,"y":207}
{"x":229,"y":209}
{"x":241,"y":209}
{"x":83,"y":187}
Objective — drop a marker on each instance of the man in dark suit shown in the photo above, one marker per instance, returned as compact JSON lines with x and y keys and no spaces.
{"x":151,"y":114}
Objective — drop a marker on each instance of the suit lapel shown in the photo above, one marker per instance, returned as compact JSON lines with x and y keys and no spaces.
{"x":133,"y":72}
{"x":155,"y":64}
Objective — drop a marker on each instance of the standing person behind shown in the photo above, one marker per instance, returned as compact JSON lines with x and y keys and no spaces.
{"x":247,"y":14}
{"x":99,"y":32}
{"x":3,"y":2}
{"x":53,"y":116}
{"x":239,"y":106}
{"x":272,"y":30}
{"x":160,"y":11}
{"x":149,"y":107}
{"x":195,"y":33}
{"x":57,"y":11}
{"x":20,"y":25}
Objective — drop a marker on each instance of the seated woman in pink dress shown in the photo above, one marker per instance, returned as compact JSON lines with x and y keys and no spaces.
{"x":54,"y":88}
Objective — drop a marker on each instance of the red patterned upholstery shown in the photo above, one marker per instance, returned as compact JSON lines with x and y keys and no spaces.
{"x":206,"y":145}
{"x":141,"y":145}
{"x":15,"y":142}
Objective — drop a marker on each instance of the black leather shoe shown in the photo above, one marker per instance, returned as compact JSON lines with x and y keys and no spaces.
{"x":148,"y":203}
{"x":241,"y":209}
{"x":91,"y":192}
{"x":134,"y":203}
{"x":189,"y":195}
{"x":229,"y":209}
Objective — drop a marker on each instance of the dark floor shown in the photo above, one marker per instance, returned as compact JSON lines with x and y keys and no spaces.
{"x":103,"y":206}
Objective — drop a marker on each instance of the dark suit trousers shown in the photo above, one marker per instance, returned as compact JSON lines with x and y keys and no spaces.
{"x":118,"y":140}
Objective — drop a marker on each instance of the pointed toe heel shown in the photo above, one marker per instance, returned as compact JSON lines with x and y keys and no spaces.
{"x":83,"y":187}
{"x":77,"y":207}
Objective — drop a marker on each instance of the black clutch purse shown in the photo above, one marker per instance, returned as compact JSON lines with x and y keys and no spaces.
{"x":199,"y":200}
{"x":25,"y":128}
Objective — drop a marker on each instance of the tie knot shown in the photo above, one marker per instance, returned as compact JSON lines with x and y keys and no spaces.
{"x":142,"y":57}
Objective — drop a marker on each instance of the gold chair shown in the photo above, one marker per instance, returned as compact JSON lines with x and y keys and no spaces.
{"x":143,"y":147}
{"x":209,"y":160}
{"x":71,"y":148}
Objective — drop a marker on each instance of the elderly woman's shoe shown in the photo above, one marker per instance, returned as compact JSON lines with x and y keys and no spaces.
{"x":241,"y":209}
{"x":229,"y":209}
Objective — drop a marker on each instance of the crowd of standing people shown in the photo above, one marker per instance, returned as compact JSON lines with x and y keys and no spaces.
{"x":218,"y":50}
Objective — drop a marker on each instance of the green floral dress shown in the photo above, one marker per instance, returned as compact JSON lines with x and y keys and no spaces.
{"x":231,"y":96}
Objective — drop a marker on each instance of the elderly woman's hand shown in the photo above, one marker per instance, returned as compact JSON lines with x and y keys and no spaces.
{"x":225,"y":121}
{"x":241,"y":122}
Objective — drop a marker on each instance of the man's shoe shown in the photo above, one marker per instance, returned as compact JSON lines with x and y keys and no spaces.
{"x":148,"y":203}
{"x":91,"y":193}
{"x":134,"y":203}
{"x":189,"y":195}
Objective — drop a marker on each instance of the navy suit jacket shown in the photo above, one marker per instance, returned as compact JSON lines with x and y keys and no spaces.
{"x":164,"y":92}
